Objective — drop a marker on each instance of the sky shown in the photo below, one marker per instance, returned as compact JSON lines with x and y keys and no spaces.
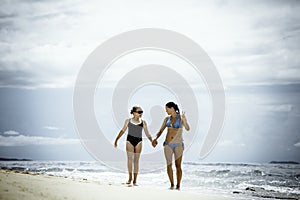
{"x":253,"y":44}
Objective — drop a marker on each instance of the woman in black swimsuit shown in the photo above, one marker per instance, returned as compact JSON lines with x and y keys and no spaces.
{"x":135,"y":127}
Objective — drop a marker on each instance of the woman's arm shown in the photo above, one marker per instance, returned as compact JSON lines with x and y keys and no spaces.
{"x":184,"y":121}
{"x":146,"y":131}
{"x":161,"y":130}
{"x":121,"y":132}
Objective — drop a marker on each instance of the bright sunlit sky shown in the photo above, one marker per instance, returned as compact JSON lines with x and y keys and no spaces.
{"x":253,"y":44}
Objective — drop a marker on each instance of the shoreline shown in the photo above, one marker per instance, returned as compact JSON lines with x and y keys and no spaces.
{"x":26,"y":185}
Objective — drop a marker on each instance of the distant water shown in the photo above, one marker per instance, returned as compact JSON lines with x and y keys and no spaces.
{"x":241,"y":181}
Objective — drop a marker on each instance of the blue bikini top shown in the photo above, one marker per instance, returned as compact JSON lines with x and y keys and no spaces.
{"x":177,"y":124}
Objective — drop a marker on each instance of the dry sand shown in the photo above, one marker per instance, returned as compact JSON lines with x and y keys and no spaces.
{"x":17,"y":185}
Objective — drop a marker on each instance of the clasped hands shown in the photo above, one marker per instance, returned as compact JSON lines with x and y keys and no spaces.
{"x":154,"y":143}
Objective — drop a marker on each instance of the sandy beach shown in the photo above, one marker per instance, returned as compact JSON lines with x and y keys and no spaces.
{"x":20,"y":185}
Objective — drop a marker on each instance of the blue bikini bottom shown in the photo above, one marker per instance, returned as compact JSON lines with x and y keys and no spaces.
{"x":173,"y":145}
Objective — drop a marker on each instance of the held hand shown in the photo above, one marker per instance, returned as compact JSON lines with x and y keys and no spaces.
{"x":154,"y":143}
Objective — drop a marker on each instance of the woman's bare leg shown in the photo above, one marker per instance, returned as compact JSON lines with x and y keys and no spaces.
{"x":136,"y":159}
{"x":168,"y":155}
{"x":130,"y":153}
{"x":178,"y":159}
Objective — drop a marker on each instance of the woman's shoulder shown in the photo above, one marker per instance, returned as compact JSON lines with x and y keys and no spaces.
{"x":144,"y":121}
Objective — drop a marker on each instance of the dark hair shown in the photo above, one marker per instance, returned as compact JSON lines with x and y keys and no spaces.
{"x":134,"y":108}
{"x":173,"y":105}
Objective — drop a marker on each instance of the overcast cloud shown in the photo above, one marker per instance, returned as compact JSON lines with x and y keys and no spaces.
{"x":43,"y":44}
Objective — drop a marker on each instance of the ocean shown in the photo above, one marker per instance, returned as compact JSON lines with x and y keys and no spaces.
{"x":240,"y":181}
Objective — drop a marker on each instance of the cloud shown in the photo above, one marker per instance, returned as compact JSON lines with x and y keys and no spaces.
{"x":52,"y":128}
{"x":297,"y":144}
{"x":26,"y":140}
{"x":262,"y":51}
{"x":34,"y":53}
{"x":280,"y":108}
{"x":44,"y":43}
{"x":10,"y":132}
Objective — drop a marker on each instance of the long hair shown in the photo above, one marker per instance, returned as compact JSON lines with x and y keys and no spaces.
{"x":173,"y":105}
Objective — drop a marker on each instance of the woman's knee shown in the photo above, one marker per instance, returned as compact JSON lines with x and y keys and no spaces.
{"x":129,"y":156}
{"x":136,"y":159}
{"x":169,"y":166}
{"x":178,"y":165}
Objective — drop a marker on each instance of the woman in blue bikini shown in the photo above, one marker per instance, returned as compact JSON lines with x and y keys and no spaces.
{"x":135,"y":127}
{"x":174,"y":142}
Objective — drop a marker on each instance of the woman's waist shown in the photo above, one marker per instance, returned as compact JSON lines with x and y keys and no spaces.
{"x":134,"y":135}
{"x":174,"y":141}
{"x":177,"y":138}
{"x":174,"y":132}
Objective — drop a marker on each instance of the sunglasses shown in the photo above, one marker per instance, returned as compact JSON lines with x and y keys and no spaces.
{"x":139,"y":112}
